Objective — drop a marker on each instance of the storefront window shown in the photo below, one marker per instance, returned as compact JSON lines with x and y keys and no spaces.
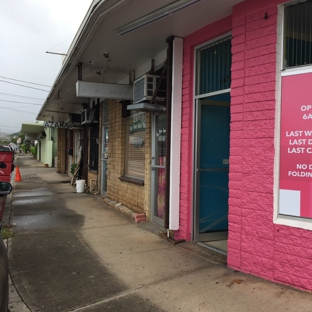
{"x":214,"y":67}
{"x":298,"y":34}
{"x":135,"y":146}
{"x":295,"y":168}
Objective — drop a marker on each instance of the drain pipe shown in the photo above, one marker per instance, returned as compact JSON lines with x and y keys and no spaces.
{"x":168,"y":129}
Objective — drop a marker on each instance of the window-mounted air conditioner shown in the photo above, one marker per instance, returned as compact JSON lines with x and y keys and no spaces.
{"x":144,"y":89}
{"x":88,"y":116}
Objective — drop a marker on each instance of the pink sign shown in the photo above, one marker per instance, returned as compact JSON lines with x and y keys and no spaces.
{"x":295,"y":196}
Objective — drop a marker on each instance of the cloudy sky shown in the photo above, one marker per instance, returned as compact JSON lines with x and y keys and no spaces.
{"x":29,"y":28}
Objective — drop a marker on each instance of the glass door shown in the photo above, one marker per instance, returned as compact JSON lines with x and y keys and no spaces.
{"x":104,"y":153}
{"x":158,"y":167}
{"x":212,"y":168}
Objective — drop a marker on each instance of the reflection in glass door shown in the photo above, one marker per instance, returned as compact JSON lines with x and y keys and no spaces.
{"x":212,"y":169}
{"x":158,"y":167}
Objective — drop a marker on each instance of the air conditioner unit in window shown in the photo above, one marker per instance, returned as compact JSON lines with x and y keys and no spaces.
{"x":89,"y":116}
{"x":144,"y":89}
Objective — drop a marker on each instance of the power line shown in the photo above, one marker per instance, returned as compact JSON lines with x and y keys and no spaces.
{"x":23,"y":86}
{"x":20,"y":102}
{"x":17,"y":106}
{"x":22,"y":96}
{"x":37,"y":84}
{"x":17,"y":110}
{"x":61,"y":42}
{"x":3,"y":126}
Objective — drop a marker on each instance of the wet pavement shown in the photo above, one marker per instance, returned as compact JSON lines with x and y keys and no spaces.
{"x":72,"y":252}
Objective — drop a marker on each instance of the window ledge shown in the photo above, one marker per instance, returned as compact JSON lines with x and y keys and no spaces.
{"x":301,"y":223}
{"x":132,"y":180}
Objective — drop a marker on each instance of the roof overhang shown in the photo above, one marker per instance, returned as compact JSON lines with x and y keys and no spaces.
{"x":32,"y":127}
{"x":118,"y":37}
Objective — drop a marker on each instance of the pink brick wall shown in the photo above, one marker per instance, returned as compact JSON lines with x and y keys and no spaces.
{"x":255,"y":245}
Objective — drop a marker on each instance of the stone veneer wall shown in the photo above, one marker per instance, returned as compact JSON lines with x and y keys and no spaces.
{"x":133,"y":196}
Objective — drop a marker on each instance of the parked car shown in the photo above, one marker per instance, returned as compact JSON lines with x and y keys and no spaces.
{"x":5,"y":189}
{"x":7,"y":163}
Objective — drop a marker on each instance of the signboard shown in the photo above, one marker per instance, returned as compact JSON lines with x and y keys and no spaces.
{"x":103,"y":90}
{"x":137,"y":126}
{"x":295,"y":194}
{"x":66,"y":125}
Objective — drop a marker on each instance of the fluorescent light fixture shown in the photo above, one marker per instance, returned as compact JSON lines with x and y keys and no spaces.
{"x":155,"y":15}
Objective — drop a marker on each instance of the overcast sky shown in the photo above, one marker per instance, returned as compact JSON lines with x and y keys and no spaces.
{"x":29,"y":28}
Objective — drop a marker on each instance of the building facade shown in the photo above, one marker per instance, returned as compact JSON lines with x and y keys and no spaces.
{"x":223,"y":158}
{"x":248,"y":141}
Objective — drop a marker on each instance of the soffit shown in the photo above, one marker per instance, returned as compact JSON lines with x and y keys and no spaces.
{"x":97,"y":37}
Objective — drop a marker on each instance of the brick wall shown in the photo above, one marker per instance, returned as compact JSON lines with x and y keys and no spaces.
{"x":252,"y":151}
{"x":130,"y":195}
{"x":256,"y":245}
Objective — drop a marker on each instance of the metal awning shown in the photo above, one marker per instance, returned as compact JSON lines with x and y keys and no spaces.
{"x":147,"y":108}
{"x":32,"y":127}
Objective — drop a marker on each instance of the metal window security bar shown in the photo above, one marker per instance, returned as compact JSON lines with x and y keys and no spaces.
{"x":298,"y":34}
{"x":214,"y":67}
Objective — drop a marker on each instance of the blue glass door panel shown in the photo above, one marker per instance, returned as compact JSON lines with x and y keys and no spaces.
{"x":213,"y":166}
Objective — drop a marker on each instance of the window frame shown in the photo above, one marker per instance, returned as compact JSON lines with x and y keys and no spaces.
{"x":132,"y":177}
{"x":283,"y":54}
{"x":94,"y":152}
{"x":281,"y":219}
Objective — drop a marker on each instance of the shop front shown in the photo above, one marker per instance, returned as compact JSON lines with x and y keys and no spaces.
{"x":247,"y":183}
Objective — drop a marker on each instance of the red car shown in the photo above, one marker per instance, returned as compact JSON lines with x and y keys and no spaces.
{"x":7,"y":158}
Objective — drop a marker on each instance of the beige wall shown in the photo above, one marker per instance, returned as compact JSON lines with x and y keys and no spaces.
{"x":129,"y":194}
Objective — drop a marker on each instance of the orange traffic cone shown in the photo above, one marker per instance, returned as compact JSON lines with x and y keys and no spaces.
{"x":17,"y":175}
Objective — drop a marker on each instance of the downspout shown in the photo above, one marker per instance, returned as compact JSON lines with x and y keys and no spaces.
{"x":168,"y":130}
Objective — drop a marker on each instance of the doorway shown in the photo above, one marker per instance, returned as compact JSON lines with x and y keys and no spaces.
{"x":212,"y":169}
{"x":104,"y":152}
{"x":211,"y":142}
{"x":158,"y":167}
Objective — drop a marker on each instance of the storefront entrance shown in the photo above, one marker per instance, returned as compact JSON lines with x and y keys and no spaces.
{"x":158,"y":166}
{"x":212,"y":168}
{"x":211,"y":148}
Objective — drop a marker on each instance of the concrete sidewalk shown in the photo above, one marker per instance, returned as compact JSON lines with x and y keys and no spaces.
{"x":72,"y":252}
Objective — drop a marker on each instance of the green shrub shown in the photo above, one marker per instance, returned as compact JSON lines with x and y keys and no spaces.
{"x":73,"y":168}
{"x":33,"y":150}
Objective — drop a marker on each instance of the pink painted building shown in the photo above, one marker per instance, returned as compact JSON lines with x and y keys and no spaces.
{"x":246,"y":186}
